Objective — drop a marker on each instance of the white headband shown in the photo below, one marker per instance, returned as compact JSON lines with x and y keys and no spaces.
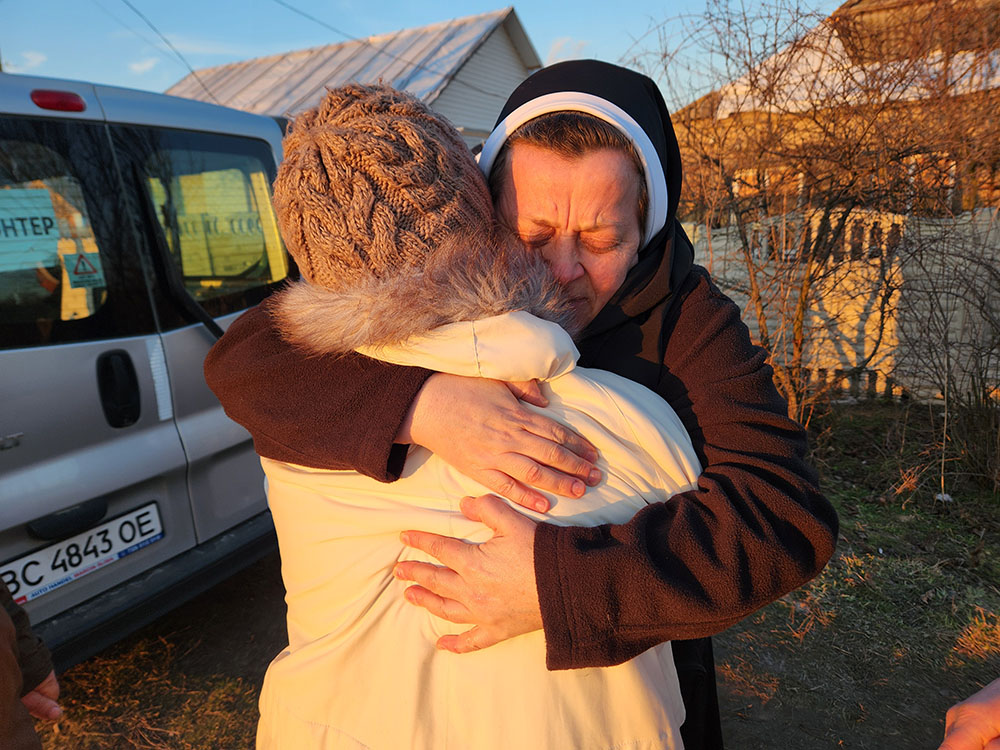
{"x":577,"y":101}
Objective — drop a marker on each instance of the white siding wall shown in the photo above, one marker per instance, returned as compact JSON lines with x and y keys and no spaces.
{"x":495,"y":67}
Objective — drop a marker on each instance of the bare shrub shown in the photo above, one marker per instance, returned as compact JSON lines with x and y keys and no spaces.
{"x":841,"y":184}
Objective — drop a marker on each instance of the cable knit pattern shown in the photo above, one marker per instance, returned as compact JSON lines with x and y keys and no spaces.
{"x":372,"y":181}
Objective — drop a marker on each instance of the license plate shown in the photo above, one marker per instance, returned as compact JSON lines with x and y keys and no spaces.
{"x":51,"y":567}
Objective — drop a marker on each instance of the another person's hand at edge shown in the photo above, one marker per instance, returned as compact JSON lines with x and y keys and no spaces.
{"x":974,"y":724}
{"x":481,"y":428}
{"x":42,"y":700}
{"x":490,"y":584}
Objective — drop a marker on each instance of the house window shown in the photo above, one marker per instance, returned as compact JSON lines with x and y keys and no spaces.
{"x":857,"y":239}
{"x":807,"y":240}
{"x":875,"y":240}
{"x":894,"y":238}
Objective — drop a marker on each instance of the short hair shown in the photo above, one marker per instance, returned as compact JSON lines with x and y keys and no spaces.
{"x":571,"y":134}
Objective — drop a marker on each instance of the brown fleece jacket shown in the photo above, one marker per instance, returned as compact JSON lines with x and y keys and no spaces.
{"x":756,"y":527}
{"x":328,"y":411}
{"x":33,"y":658}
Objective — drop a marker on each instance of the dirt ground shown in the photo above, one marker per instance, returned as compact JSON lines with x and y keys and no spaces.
{"x":821,"y":696}
{"x":790,"y":677}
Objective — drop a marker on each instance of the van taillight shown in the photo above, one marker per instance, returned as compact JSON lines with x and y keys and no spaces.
{"x":63,"y":101}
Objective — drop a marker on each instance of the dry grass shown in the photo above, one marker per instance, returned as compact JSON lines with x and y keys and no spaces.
{"x":980,"y":639}
{"x":900,"y":625}
{"x":744,"y":678}
{"x":160,"y":707}
{"x":181,"y":683}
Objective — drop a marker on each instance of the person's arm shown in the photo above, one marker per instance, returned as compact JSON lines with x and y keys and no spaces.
{"x":974,"y":724}
{"x":354,"y":412}
{"x":39,"y":686}
{"x":756,"y":527}
{"x":328,"y":412}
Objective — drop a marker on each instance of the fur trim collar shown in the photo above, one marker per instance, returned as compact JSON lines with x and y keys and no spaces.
{"x":456,"y":284}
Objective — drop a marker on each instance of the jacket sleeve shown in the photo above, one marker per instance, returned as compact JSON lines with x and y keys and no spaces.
{"x":755,"y":528}
{"x":328,"y":412}
{"x":33,"y":657}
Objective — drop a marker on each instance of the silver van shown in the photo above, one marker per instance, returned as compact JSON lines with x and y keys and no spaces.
{"x":133,"y":227}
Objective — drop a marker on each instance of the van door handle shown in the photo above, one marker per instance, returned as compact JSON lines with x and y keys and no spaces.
{"x":119,"y":388}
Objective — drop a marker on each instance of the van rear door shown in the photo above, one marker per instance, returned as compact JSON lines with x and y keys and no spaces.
{"x":208,"y":220}
{"x":92,"y":471}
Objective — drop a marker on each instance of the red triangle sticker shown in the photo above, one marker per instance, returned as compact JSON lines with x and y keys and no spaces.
{"x":83,"y":266}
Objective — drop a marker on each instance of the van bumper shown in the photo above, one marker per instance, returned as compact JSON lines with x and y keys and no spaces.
{"x":79,"y":633}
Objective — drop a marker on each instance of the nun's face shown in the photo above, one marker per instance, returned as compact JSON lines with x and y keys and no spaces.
{"x":582,"y":215}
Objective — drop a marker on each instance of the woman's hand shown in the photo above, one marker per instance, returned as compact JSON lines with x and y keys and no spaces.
{"x":481,"y":428}
{"x":490,"y":585}
{"x":42,"y":701}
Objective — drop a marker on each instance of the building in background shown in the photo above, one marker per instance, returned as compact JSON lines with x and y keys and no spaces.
{"x":843,"y":184}
{"x":464,"y":69}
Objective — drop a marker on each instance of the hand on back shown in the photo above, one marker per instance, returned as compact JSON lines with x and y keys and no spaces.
{"x":481,"y":428}
{"x":490,"y":586}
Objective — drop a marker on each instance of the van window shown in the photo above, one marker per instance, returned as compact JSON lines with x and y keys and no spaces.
{"x":211,"y":198}
{"x":50,"y":266}
{"x":56,"y":274}
{"x":215,"y":211}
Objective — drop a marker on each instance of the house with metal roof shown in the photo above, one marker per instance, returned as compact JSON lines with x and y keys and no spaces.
{"x":464,"y":69}
{"x":845,"y":190}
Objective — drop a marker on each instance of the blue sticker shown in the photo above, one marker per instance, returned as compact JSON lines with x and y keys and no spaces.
{"x":84,"y":270}
{"x":29,"y":234}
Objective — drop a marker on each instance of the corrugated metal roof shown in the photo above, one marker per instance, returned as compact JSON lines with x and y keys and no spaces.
{"x":421,"y":60}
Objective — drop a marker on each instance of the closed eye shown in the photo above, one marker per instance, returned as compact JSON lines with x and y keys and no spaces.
{"x":536,"y":240}
{"x":599,"y":246}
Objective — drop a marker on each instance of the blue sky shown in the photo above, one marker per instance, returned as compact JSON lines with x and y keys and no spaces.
{"x":105,"y":41}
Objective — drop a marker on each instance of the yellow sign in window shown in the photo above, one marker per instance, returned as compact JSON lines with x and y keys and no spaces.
{"x":221,"y":229}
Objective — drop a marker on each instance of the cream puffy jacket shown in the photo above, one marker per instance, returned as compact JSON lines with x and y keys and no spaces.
{"x":361,"y":669}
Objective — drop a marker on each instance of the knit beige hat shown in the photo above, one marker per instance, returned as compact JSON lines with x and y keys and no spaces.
{"x":372,"y":181}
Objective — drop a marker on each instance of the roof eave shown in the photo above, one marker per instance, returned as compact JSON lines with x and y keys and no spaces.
{"x":520,"y":39}
{"x":522,"y":44}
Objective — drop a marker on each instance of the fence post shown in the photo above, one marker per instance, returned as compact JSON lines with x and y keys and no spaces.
{"x":872,"y":390}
